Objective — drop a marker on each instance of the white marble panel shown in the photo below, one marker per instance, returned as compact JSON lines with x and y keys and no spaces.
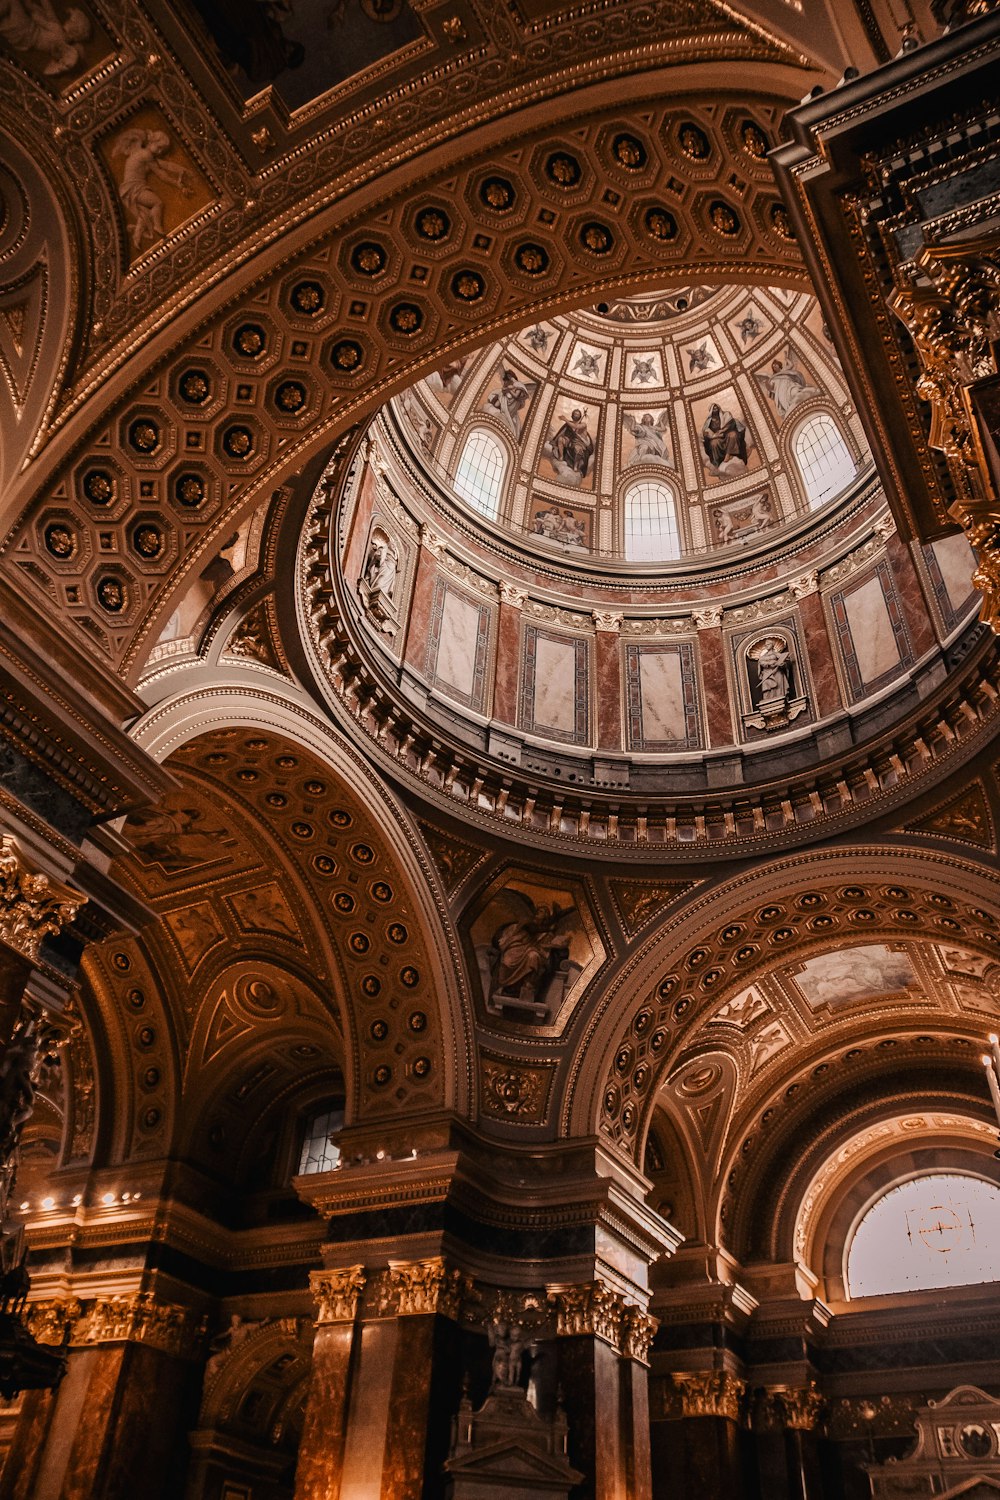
{"x":456,"y":659}
{"x":662,"y":696}
{"x":957,"y":562}
{"x":555,"y":684}
{"x":871,"y":630}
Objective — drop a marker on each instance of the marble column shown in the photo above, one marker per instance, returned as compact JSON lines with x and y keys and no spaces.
{"x":697,"y":1435}
{"x":712,"y":658}
{"x":823,"y":673}
{"x":321,"y":1450}
{"x":422,"y":599}
{"x":508,"y":659}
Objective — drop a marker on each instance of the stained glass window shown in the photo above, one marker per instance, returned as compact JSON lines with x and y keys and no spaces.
{"x":942,"y":1229}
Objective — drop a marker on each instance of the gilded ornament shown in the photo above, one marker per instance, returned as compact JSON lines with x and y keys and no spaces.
{"x":406,"y":318}
{"x":497,"y":194}
{"x":723,"y":219}
{"x":660,"y":224}
{"x":194,"y":387}
{"x":99,"y":486}
{"x":337,"y":1293}
{"x":382,"y":1075}
{"x":468,"y":286}
{"x":754,"y":140}
{"x":147,"y":540}
{"x":60,"y":541}
{"x":629,"y":152}
{"x":369,"y":258}
{"x":704,"y":1393}
{"x":144,"y":435}
{"x":111,"y":594}
{"x":290,"y":396}
{"x":237,"y":441}
{"x":308,"y":298}
{"x":563,"y":170}
{"x":596,"y":238}
{"x":432,"y":224}
{"x":693,"y":142}
{"x":531,"y":258}
{"x":189,"y":490}
{"x":249,"y":341}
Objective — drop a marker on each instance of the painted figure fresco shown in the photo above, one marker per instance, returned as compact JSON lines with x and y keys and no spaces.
{"x":854,"y":974}
{"x":725,"y":442}
{"x":446,"y":381}
{"x":33,"y":29}
{"x":509,"y":400}
{"x":562,"y":524}
{"x":650,"y":438}
{"x":785,"y":384}
{"x":569,"y":449}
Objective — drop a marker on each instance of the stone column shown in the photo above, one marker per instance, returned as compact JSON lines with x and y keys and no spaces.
{"x":696,"y":1435}
{"x":784,"y":1422}
{"x":825,"y":684}
{"x":608,"y":676}
{"x":422,"y":599}
{"x":114,"y":1427}
{"x":321,"y":1450}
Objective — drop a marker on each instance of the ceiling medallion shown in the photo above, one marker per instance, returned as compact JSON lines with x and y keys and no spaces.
{"x":308,"y":297}
{"x":249,"y":341}
{"x":99,"y":487}
{"x":723,"y":219}
{"x":369,"y":258}
{"x":497,"y":193}
{"x":290,"y":396}
{"x":60,"y":541}
{"x":660,"y":224}
{"x":406,"y":318}
{"x":238,"y":442}
{"x":194,"y":387}
{"x":531,"y":258}
{"x":346,"y":355}
{"x":144,"y":435}
{"x":432,"y":224}
{"x":693,"y":142}
{"x":111,"y":594}
{"x":189,"y":490}
{"x":469,"y":286}
{"x":147,"y":540}
{"x":754,"y":140}
{"x":563,"y":170}
{"x":629,"y":152}
{"x":780,"y":222}
{"x":597,"y":238}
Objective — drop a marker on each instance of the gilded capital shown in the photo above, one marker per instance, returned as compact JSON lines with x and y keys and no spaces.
{"x":337,"y":1293}
{"x":778,"y":1408}
{"x":141,"y":1318}
{"x":31,"y":905}
{"x":705,"y":1393}
{"x":426,"y":1286}
{"x":708,"y":616}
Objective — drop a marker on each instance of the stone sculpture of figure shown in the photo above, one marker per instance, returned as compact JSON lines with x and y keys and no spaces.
{"x":724,"y":438}
{"x":773,"y":665}
{"x":33,"y":26}
{"x":508,"y":1342}
{"x":17,"y":1085}
{"x":571,"y":448}
{"x":786,"y":385}
{"x":381,"y":566}
{"x":143,"y":152}
{"x":649,"y":438}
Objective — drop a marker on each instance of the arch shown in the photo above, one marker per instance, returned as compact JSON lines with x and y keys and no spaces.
{"x":239,"y":700}
{"x":898,"y":1242}
{"x":824,"y":458}
{"x":650,"y":520}
{"x":481,"y":471}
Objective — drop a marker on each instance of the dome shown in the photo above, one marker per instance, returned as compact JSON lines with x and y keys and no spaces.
{"x":647,"y":430}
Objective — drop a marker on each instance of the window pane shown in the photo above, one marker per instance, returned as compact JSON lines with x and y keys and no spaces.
{"x":480,"y":472}
{"x":938,"y":1230}
{"x":824,"y":459}
{"x":651,"y":533}
{"x":319,"y":1154}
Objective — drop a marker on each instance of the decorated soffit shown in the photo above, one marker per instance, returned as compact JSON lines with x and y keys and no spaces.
{"x":698,"y":393}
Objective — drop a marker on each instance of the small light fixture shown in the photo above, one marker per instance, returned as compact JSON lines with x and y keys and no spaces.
{"x":48,"y":1203}
{"x":108,"y":1198}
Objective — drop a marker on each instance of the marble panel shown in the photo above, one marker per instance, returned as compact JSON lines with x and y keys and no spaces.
{"x":662,"y":697}
{"x":869,"y":626}
{"x":457,"y":644}
{"x":555,"y":686}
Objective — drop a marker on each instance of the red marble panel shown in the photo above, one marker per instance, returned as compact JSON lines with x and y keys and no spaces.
{"x":421,"y":604}
{"x":713,"y":675}
{"x":916,"y":609}
{"x":609,"y":690}
{"x":508,"y":660}
{"x":824,"y":674}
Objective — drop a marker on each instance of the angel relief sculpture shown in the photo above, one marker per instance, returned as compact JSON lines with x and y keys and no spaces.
{"x":143,"y":154}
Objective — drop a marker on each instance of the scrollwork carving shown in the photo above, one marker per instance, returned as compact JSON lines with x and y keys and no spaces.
{"x":705,"y":1393}
{"x":32,"y":907}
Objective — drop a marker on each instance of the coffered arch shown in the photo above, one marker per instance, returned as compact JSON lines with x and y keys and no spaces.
{"x":392,"y":952}
{"x":722,"y":940}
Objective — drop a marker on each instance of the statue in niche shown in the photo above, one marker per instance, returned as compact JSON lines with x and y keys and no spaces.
{"x":508,"y":1342}
{"x":377,"y":584}
{"x":771,"y":673}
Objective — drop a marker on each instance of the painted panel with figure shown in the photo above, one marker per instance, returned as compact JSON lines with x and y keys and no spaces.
{"x":727,"y":445}
{"x":535,"y":947}
{"x":568,"y":453}
{"x":853,"y":974}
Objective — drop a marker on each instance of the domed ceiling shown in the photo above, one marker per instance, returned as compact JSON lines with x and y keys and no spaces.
{"x":647,"y":429}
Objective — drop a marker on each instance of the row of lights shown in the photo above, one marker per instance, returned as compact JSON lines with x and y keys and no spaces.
{"x":108,"y":1199}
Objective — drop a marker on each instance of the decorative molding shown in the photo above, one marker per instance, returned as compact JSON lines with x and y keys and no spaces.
{"x":337,"y":1293}
{"x":421,"y":1287}
{"x":595,"y":1309}
{"x":141,"y":1318}
{"x":702,"y":1393}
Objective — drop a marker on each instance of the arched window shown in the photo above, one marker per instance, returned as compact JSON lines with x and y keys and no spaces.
{"x":942,"y":1229}
{"x":824,"y":459}
{"x":479,"y":479}
{"x":319,"y":1154}
{"x":651,"y":533}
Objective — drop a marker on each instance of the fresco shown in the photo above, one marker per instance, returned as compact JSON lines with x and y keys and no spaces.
{"x":645,"y":437}
{"x":445,"y":383}
{"x":159,"y":185}
{"x":509,"y":397}
{"x":564,"y":524}
{"x":535,"y":948}
{"x":56,"y":40}
{"x":854,"y":974}
{"x":727,"y":445}
{"x":568,"y":453}
{"x":786,"y":384}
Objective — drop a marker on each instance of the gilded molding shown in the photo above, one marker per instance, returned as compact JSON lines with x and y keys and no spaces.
{"x":141,"y":1318}
{"x":703,"y":1393}
{"x":592,"y":1308}
{"x":787,"y":1408}
{"x":420,"y":1287}
{"x":53,"y":1322}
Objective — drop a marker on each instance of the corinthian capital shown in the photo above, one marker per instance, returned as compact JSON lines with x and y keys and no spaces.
{"x":336,"y":1293}
{"x":705,"y":1393}
{"x":609,"y":620}
{"x":31,"y":906}
{"x":511,"y":594}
